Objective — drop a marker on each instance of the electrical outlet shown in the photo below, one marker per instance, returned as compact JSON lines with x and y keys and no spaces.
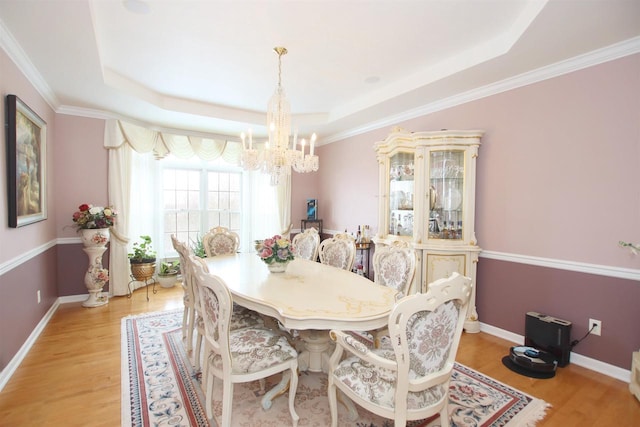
{"x":38,"y":294}
{"x":598,"y":326}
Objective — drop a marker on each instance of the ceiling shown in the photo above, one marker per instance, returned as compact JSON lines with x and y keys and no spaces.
{"x":353,"y":65}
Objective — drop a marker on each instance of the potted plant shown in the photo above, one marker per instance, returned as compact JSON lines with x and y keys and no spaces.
{"x":198,"y":247}
{"x":143,"y":259}
{"x":168,"y":274}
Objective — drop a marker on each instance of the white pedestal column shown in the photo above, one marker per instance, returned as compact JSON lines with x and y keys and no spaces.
{"x":95,"y":244}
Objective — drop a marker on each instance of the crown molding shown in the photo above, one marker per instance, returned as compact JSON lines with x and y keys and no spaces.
{"x":26,"y":67}
{"x":609,"y":53}
{"x":599,"y":56}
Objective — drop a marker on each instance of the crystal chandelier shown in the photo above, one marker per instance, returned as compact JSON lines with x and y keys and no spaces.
{"x":280,"y":153}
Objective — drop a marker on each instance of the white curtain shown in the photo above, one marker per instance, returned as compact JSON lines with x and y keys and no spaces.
{"x":127,"y":145}
{"x":119,"y":196}
{"x":284,"y":203}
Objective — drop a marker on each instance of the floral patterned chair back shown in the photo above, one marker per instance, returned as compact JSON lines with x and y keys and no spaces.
{"x":338,"y":251}
{"x":413,"y":371}
{"x":306,"y":244}
{"x":220,"y":241}
{"x":394,"y":266}
{"x":240,"y":355}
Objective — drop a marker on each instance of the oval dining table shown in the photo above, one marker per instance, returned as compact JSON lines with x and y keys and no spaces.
{"x":310,"y":297}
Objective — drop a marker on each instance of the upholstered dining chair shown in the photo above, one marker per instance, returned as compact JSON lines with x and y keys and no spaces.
{"x":220,"y":241}
{"x":188,"y":319}
{"x":193,"y":326}
{"x":240,"y":355}
{"x":338,"y":251}
{"x":394,"y":266}
{"x":408,"y":379}
{"x":306,"y":244}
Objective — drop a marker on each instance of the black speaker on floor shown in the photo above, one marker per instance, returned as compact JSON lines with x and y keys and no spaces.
{"x":548,"y":334}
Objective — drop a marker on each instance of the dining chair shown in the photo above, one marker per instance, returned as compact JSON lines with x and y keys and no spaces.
{"x":194,"y":330}
{"x":306,"y":244}
{"x":188,"y":318}
{"x":394,"y":266}
{"x":408,"y":379}
{"x":220,"y":241}
{"x":338,"y":251}
{"x":241,"y":355}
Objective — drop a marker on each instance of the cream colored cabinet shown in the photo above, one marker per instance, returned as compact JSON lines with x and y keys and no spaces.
{"x":427,"y":199}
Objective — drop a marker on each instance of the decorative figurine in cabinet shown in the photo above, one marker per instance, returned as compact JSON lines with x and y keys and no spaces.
{"x":427,"y":183}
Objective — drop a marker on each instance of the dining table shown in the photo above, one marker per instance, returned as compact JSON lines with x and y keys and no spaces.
{"x":309,"y":297}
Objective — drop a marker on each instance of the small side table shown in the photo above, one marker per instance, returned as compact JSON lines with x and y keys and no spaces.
{"x":308,"y":223}
{"x":364,"y":248}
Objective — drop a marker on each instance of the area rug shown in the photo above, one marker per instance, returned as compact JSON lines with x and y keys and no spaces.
{"x":161,"y":388}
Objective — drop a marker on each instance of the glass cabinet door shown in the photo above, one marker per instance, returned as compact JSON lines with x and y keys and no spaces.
{"x":401,"y":194}
{"x":446,"y":194}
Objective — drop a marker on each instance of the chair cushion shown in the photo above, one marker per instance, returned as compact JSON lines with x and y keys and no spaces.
{"x":220,"y":245}
{"x":242,"y":317}
{"x":337,"y":254}
{"x":393,"y":271}
{"x":430,"y":337}
{"x":255,"y":349}
{"x":305,"y":248}
{"x":378,"y":385}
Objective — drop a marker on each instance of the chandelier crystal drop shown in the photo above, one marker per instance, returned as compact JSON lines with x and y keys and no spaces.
{"x":280,"y":153}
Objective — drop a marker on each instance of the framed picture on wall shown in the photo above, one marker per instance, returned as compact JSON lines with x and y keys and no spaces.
{"x":312,"y":208}
{"x":26,"y":164}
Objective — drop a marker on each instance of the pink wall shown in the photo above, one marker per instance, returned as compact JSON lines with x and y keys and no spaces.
{"x":557,"y":169}
{"x":21,"y":277}
{"x":557,"y":179}
{"x":81,"y":168}
{"x":17,"y":241}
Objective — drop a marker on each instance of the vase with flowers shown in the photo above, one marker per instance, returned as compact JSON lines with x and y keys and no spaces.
{"x":93,"y":222}
{"x":276,"y":252}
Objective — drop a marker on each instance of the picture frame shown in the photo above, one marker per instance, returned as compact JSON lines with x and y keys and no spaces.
{"x":312,"y":209}
{"x":26,"y":164}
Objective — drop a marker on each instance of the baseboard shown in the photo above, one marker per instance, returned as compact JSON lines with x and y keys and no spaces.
{"x":11,"y":367}
{"x":576,"y":358}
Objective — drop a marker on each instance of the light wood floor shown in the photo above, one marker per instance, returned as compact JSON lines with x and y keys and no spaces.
{"x":71,"y":376}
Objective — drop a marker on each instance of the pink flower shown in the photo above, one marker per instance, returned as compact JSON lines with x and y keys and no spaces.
{"x":266,"y":253}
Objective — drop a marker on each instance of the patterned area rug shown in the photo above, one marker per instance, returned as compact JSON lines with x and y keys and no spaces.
{"x":161,"y":388}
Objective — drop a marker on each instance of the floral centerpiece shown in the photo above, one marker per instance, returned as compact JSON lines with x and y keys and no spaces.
{"x":276,"y":252}
{"x":91,"y":217}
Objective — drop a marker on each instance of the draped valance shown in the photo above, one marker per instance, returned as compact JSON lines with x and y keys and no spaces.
{"x":144,"y":140}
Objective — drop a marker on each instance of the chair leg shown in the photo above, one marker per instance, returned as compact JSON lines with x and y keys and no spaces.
{"x":444,"y":416}
{"x":293,"y":386}
{"x":190,"y":328}
{"x":227,"y":402}
{"x":197,"y":354}
{"x":185,"y":319}
{"x":208,"y":395}
{"x":333,"y":402}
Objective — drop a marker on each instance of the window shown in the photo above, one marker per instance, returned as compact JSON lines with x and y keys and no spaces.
{"x":197,"y":195}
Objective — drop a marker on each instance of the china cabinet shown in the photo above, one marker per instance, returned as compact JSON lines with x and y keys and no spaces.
{"x":427,"y":198}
